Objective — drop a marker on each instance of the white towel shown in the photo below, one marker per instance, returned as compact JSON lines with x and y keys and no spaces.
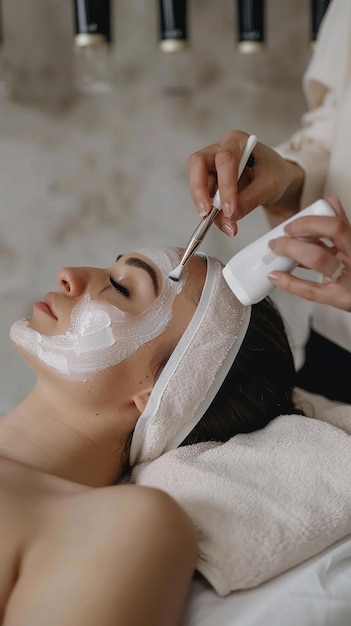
{"x":265,"y":501}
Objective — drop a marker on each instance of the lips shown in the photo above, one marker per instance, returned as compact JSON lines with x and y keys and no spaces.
{"x":48,"y":304}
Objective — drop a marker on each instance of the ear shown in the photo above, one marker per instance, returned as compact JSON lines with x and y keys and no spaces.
{"x":141,"y":399}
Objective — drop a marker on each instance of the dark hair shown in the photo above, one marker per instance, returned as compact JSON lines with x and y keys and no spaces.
{"x":259,"y":384}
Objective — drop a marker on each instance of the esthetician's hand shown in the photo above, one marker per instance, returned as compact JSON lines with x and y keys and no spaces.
{"x":334,"y":263}
{"x":216,"y":166}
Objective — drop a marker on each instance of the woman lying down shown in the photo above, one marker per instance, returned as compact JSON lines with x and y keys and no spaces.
{"x":129,"y":366}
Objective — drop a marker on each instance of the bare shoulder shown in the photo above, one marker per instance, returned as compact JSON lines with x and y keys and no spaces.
{"x":48,"y":524}
{"x":44,"y":516}
{"x":27,"y":500}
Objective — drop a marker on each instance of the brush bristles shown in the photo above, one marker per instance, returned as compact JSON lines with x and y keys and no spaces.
{"x":176,"y":273}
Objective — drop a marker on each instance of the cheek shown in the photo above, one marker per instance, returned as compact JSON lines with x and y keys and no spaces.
{"x":140,"y":366}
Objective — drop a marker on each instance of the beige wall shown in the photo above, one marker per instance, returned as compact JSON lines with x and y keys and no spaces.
{"x":85,"y":177}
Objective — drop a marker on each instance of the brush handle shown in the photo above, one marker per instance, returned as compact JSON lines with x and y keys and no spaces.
{"x":198,"y":234}
{"x":250,"y":144}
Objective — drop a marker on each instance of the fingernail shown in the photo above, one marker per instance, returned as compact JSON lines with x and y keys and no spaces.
{"x":273,"y":277}
{"x":202,"y":208}
{"x":227,"y":209}
{"x":228,"y":230}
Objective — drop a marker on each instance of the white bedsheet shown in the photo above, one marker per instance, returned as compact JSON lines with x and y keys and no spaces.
{"x":315,"y":593}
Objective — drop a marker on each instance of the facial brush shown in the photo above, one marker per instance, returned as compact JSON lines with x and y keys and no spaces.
{"x":246,"y":272}
{"x":200,"y":232}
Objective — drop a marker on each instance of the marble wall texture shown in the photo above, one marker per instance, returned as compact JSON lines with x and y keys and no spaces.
{"x":86,"y":176}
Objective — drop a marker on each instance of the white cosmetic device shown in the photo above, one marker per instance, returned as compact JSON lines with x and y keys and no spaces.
{"x":246,"y":272}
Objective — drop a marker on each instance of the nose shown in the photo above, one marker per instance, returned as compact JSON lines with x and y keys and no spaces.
{"x":73,"y":280}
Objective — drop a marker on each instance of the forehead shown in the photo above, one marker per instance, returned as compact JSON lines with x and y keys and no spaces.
{"x":164,"y":258}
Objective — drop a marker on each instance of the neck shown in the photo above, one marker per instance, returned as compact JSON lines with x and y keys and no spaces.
{"x":41,"y":432}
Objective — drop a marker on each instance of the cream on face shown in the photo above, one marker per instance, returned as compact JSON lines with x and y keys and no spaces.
{"x":101,"y":335}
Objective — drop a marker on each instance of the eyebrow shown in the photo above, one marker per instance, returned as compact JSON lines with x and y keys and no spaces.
{"x":135,"y":262}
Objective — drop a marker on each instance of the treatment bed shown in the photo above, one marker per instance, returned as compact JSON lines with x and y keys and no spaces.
{"x":314,"y":593}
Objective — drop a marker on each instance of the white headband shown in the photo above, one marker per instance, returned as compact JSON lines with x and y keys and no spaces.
{"x":195,"y":370}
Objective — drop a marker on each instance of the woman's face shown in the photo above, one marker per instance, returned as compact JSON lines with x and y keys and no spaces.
{"x":99,"y":318}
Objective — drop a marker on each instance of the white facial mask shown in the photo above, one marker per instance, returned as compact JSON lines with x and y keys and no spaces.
{"x":100,"y":334}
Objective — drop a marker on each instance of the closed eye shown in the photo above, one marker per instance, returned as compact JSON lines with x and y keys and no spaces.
{"x":120,"y":288}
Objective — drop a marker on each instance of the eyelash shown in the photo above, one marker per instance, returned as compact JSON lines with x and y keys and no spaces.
{"x":123,"y":290}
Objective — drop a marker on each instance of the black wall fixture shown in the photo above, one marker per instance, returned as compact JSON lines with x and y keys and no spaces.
{"x":173,"y":35}
{"x":92,"y":22}
{"x":93,"y":67}
{"x":251,"y":27}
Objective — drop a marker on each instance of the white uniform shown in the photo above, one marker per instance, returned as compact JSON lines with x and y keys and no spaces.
{"x":323,"y":145}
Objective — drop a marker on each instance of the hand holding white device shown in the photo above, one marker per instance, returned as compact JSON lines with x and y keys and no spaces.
{"x":246,"y":272}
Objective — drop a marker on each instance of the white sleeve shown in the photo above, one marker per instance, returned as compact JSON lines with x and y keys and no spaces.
{"x":324,"y":83}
